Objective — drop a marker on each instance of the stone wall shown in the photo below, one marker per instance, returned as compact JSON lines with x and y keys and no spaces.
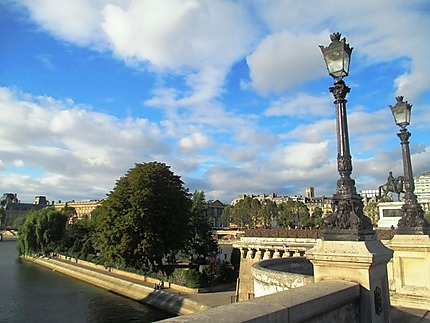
{"x":409,"y":271}
{"x":126,"y":287}
{"x":327,"y":301}
{"x":276,"y":275}
{"x":253,"y":250}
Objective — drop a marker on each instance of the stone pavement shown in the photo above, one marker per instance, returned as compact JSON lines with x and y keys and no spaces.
{"x":211,"y":299}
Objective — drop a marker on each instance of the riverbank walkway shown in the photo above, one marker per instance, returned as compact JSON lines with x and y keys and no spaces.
{"x":209,"y":300}
{"x":214,"y":299}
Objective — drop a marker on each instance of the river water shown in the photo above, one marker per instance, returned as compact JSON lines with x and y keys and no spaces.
{"x":31,"y":293}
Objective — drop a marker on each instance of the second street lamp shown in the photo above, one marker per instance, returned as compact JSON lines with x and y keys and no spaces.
{"x":347,"y":222}
{"x":412,"y":221}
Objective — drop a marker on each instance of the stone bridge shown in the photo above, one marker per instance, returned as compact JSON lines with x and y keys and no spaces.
{"x":408,"y":270}
{"x":254,"y":249}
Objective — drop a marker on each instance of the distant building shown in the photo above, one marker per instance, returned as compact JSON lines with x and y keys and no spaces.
{"x":81,"y":209}
{"x":310,"y":192}
{"x":15,"y":211}
{"x":369,"y":195}
{"x":322,"y":202}
{"x":278,"y":199}
{"x":422,"y":189}
{"x":214,"y":209}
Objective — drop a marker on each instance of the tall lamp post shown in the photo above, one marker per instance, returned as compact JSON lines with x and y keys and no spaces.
{"x":412,"y":221}
{"x":347,"y":222}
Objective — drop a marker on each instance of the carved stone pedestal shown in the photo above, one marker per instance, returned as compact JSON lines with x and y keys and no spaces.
{"x":363,"y":262}
{"x":410,"y":267}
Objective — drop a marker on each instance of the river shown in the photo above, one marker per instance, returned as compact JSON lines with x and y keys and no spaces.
{"x":31,"y":293}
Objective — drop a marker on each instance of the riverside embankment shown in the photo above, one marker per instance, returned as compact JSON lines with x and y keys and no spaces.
{"x":176,"y":299}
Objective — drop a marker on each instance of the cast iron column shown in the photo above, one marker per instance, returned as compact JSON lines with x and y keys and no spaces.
{"x":347,"y":222}
{"x":412,"y":221}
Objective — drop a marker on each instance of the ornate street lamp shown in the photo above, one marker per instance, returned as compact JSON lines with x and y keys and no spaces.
{"x":347,"y":222}
{"x":412,"y":221}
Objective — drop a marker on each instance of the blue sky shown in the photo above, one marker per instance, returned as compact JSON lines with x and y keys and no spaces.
{"x":233,"y":95}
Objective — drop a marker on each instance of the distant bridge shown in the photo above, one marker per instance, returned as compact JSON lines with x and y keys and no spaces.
{"x":227,"y":234}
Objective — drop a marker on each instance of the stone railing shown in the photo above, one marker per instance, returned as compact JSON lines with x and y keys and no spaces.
{"x":276,"y":275}
{"x":382,"y":234}
{"x":326,"y":301}
{"x":255,"y":249}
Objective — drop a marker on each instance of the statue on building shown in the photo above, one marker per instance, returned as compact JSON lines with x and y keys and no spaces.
{"x":395,"y":185}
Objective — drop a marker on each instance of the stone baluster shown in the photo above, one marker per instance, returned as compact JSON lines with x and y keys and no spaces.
{"x":276,"y":254}
{"x":286,"y":253}
{"x":258,"y":254}
{"x":267,"y":254}
{"x":243,"y":252}
{"x":250,"y":253}
{"x":296,"y":253}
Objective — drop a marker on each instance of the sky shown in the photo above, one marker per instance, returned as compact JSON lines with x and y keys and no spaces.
{"x":232,"y":95}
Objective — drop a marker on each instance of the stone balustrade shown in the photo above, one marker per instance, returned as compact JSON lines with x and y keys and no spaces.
{"x":255,"y":249}
{"x":268,"y":248}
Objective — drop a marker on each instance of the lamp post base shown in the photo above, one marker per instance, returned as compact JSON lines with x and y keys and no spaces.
{"x":413,"y":230}
{"x":412,"y":221}
{"x":348,"y":234}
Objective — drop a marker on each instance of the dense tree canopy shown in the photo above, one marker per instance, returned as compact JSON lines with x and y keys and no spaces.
{"x":145,"y":217}
{"x":78,"y":239}
{"x":250,"y":212}
{"x":42,"y":231}
{"x":200,"y":242}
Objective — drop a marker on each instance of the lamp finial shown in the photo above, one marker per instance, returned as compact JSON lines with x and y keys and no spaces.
{"x":335,"y":36}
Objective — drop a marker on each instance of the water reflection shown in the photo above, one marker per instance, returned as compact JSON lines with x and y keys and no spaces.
{"x":31,"y":293}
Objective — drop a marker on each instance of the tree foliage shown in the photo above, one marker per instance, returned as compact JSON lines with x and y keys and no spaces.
{"x":250,"y":212}
{"x":145,"y":217}
{"x":200,"y":243}
{"x":42,"y":231}
{"x":371,"y":209}
{"x":78,"y":239}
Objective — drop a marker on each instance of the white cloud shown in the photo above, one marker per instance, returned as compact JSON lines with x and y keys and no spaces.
{"x":303,"y":156}
{"x":193,"y":143}
{"x":54,"y":139}
{"x":176,"y":34}
{"x":77,"y":21}
{"x":18,"y":163}
{"x":283,"y":61}
{"x":301,"y":105}
{"x":70,"y":149}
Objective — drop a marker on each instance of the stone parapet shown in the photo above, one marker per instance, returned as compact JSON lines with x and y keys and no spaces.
{"x":410,"y":271}
{"x":328,"y":301}
{"x":276,"y":275}
{"x":363,"y":262}
{"x":255,"y":249}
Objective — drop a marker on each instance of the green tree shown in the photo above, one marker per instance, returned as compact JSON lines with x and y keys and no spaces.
{"x":241,"y":214}
{"x":226,"y":215}
{"x":315,"y":220}
{"x":78,"y":239}
{"x":268,"y":212}
{"x":371,"y":209}
{"x":145,"y":217}
{"x":293,"y":213}
{"x":201,"y":241}
{"x":42,"y":231}
{"x":255,"y":213}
